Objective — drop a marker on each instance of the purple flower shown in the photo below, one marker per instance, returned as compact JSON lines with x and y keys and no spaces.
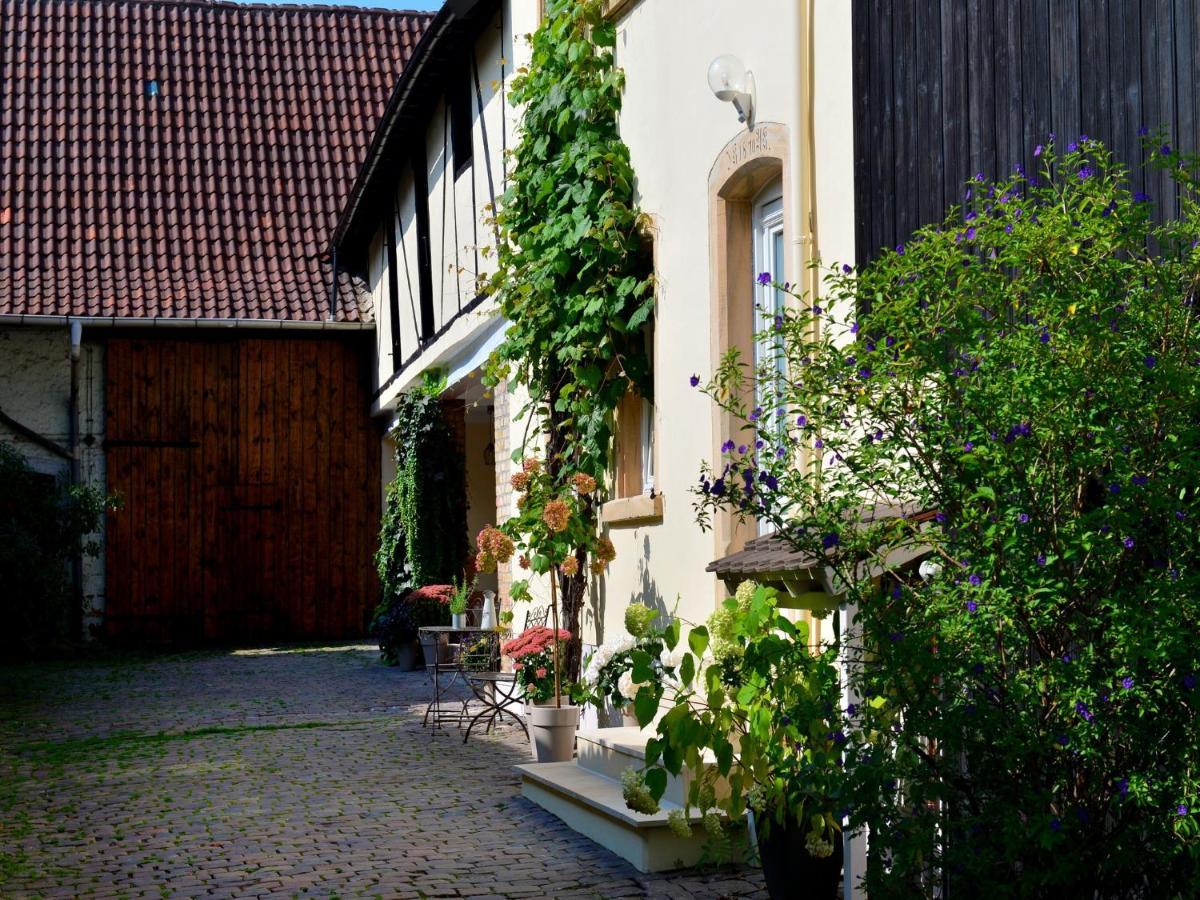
{"x":1140,"y":480}
{"x":1165,"y":149}
{"x":1127,"y":682}
{"x":831,"y":540}
{"x":754,"y":416}
{"x":727,"y":446}
{"x":1180,"y":514}
{"x":694,"y":380}
{"x":940,"y":518}
{"x":1082,"y":709}
{"x":1128,"y":542}
{"x":742,"y":449}
{"x":801,"y":421}
{"x":1181,"y":810}
{"x":1141,"y":197}
{"x":851,"y":710}
{"x":1041,"y":559}
{"x":1151,"y":362}
{"x":975,"y":580}
{"x":1123,"y":786}
{"x":1189,"y":682}
{"x":839,"y":737}
{"x":972,"y":607}
{"x":779,"y":323}
{"x":1023,"y":518}
{"x":718,"y":487}
{"x":1037,"y":151}
{"x":1114,"y":488}
{"x":864,"y":373}
{"x":1085,"y":173}
{"x":971,"y":233}
{"x":1072,"y":147}
{"x":816,"y":310}
{"x":900,"y":249}
{"x":854,"y":328}
{"x":1044,"y":337}
{"x":818,"y":443}
{"x":1063,"y":740}
{"x":764,"y":278}
{"x":968,"y":446}
{"x":846,"y":270}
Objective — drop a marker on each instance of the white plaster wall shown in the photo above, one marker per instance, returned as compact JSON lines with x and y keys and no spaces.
{"x":676,"y":130}
{"x":35,"y":370}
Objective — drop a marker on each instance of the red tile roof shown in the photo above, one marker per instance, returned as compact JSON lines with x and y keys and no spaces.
{"x":184,"y":159}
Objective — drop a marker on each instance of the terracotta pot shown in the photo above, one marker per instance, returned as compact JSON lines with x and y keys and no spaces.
{"x":786,"y":863}
{"x":552,"y":731}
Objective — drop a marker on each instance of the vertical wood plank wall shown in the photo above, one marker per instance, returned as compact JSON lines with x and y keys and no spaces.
{"x":249,"y":470}
{"x":945,"y":89}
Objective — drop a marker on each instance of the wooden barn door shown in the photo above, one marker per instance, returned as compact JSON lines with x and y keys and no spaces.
{"x":249,"y":476}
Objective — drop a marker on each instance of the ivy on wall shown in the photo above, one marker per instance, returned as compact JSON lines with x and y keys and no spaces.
{"x":423,"y":538}
{"x":574,"y":275}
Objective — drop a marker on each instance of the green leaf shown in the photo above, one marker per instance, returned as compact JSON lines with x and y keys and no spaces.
{"x":645,"y":705}
{"x":656,"y":781}
{"x":698,"y":640}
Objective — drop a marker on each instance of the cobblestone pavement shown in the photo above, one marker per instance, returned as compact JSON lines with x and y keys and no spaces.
{"x":284,"y":772}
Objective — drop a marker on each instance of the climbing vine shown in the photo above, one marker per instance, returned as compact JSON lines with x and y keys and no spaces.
{"x":423,"y":535}
{"x":574,"y":277}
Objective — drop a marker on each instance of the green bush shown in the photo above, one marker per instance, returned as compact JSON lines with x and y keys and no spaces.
{"x":1021,"y":381}
{"x":423,"y":538}
{"x":42,"y":526}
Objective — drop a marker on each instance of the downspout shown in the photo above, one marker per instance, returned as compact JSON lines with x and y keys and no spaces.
{"x":76,"y":620}
{"x":803,"y":179}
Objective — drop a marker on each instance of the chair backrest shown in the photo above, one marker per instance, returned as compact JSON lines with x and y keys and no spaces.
{"x":537,"y":616}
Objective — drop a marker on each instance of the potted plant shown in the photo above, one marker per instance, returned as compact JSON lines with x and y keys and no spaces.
{"x":617,"y":672}
{"x":765,"y":708}
{"x":459,"y":601}
{"x":557,"y":538}
{"x":431,"y":607}
{"x":395,"y":625}
{"x":536,"y":654}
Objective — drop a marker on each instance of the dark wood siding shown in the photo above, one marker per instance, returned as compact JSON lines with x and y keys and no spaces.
{"x":249,"y":471}
{"x":945,"y":89}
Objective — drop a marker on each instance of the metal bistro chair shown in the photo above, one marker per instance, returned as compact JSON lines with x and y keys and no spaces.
{"x":492,"y":688}
{"x":537,"y":616}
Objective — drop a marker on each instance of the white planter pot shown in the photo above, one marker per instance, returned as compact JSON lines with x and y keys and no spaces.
{"x":552,"y":731}
{"x":488,"y":618}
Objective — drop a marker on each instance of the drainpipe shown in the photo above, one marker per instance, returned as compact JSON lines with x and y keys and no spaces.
{"x":76,"y":620}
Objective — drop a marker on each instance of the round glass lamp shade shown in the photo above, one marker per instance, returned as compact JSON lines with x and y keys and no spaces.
{"x":727,"y":77}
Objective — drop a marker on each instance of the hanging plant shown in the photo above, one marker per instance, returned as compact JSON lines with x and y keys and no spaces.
{"x":574,"y":277}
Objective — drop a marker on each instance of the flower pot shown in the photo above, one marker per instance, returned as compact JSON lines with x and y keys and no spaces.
{"x":430,"y":648}
{"x":786,"y":863}
{"x":552,"y":731}
{"x":458,"y":620}
{"x":408,"y":656}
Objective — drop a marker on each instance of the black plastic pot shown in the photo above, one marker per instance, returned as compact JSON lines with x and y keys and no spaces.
{"x":790,"y":871}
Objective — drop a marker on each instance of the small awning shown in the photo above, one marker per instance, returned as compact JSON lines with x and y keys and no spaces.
{"x":772,"y":558}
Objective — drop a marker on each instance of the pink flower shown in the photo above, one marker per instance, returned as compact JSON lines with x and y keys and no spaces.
{"x":541,"y":673}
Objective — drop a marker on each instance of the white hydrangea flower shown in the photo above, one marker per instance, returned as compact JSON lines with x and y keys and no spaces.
{"x":627,"y":687}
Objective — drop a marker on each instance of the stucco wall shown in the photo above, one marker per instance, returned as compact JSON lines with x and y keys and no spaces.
{"x":35,"y":369}
{"x":676,"y":131}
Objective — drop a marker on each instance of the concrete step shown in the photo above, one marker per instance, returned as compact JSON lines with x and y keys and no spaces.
{"x":610,"y":751}
{"x":593,"y":805}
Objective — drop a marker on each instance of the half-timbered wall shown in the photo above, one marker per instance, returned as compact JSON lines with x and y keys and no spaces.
{"x":249,"y":476}
{"x":945,"y":89}
{"x":459,"y":207}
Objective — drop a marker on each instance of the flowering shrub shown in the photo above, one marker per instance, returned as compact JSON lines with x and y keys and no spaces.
{"x":1019,"y":384}
{"x":634,"y":671}
{"x":532,"y":653}
{"x":553,"y":528}
{"x":396,"y":619}
{"x":768,"y":716}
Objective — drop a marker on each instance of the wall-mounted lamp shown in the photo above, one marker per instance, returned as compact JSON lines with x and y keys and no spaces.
{"x":732,"y":83}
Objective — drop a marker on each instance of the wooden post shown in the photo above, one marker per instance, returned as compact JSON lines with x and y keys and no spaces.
{"x":557,"y":660}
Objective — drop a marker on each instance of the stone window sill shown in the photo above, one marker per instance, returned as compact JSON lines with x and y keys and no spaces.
{"x":643,"y":510}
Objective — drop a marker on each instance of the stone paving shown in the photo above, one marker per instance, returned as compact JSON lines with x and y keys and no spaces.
{"x":289,"y":772}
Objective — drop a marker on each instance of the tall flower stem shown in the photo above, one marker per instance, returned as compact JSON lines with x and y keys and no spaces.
{"x":557,"y":642}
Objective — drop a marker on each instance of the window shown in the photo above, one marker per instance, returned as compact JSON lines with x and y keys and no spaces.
{"x":634,"y":476}
{"x":769,"y":300}
{"x":460,"y":111}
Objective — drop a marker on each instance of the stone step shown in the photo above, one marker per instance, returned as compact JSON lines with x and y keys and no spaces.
{"x":593,"y":805}
{"x":610,"y":751}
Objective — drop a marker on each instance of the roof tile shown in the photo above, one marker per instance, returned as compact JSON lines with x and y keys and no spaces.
{"x":215,"y":197}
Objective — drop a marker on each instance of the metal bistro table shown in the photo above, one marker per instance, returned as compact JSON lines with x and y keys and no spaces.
{"x":474,"y":661}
